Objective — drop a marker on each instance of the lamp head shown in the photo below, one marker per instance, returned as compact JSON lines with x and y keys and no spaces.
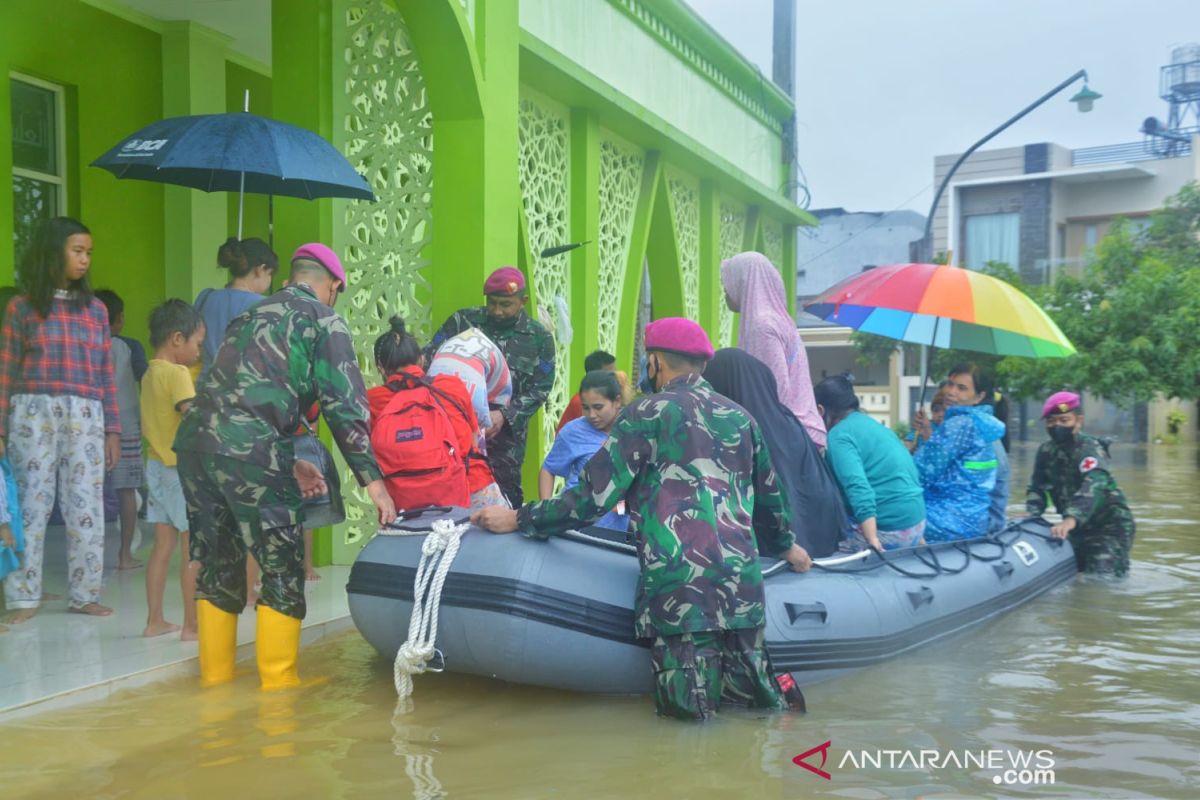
{"x":1085,"y":99}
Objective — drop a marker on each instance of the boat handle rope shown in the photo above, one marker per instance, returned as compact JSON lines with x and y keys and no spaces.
{"x":438,"y":550}
{"x":926,"y":554}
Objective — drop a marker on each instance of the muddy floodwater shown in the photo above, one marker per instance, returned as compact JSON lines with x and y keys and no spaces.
{"x":1092,"y":686}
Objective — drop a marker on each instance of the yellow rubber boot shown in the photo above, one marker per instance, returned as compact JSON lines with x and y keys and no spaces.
{"x":218,"y":643}
{"x":277,"y":647}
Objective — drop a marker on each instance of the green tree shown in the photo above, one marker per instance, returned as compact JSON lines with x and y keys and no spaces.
{"x":1133,"y":314}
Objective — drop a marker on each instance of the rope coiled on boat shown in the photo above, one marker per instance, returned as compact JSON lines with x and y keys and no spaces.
{"x":437,"y":554}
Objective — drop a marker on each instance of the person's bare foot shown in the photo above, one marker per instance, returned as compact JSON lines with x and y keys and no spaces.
{"x":91,"y":609}
{"x":311,"y":574}
{"x":186,"y":635}
{"x":158,"y":629}
{"x":132,"y":563}
{"x":18,"y":615}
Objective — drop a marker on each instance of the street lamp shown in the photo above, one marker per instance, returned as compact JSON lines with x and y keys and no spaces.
{"x":1084,"y":99}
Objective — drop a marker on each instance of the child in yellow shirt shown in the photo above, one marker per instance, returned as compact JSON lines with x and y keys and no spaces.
{"x":176,"y":334}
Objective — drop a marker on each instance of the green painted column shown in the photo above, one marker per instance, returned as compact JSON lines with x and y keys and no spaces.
{"x":639,"y":239}
{"x":662,"y":254}
{"x":193,"y":68}
{"x":301,"y":92}
{"x":473,"y":85}
{"x":788,"y":266}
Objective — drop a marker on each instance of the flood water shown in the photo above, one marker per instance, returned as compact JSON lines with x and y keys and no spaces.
{"x":1101,"y":674}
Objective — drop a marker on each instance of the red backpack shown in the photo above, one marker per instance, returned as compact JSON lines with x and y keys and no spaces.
{"x":417,"y":449}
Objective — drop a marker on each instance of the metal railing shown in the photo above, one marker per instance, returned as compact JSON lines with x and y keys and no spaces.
{"x":1147,"y":150}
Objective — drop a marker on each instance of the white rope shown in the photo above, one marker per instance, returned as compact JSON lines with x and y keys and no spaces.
{"x":437,"y":554}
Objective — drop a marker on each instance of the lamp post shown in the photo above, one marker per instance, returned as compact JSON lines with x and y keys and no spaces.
{"x":1084,"y":100}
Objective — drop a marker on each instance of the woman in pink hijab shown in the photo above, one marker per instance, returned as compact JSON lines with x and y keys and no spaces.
{"x":754,"y":288}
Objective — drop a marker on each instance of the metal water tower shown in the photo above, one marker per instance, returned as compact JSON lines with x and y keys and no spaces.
{"x":1179,"y":85}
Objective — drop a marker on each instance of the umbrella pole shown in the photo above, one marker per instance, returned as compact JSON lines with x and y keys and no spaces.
{"x":241,"y":203}
{"x":242,"y":185}
{"x":925,"y":361}
{"x":271,"y":221}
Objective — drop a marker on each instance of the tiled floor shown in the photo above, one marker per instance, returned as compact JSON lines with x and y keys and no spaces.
{"x":59,"y":659}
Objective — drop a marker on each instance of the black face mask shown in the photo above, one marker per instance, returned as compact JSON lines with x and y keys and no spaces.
{"x":647,"y":385}
{"x":1061,"y":435}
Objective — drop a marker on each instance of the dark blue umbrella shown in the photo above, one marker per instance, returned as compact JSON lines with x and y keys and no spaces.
{"x":236,"y":152}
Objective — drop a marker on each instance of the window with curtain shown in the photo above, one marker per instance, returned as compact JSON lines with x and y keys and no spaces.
{"x":39,"y":174}
{"x":992,"y":237}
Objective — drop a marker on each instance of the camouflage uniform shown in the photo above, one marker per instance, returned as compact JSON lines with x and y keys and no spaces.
{"x":235,"y":444}
{"x":529,"y":350}
{"x":694,"y":473}
{"x":1077,"y":480}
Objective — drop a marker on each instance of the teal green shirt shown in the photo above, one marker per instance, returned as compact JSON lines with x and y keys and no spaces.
{"x":876,"y":473}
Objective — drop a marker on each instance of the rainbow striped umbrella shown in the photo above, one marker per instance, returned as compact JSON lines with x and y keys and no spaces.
{"x":945,"y":307}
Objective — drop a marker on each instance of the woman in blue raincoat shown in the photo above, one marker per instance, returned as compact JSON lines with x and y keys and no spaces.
{"x":957,"y":461}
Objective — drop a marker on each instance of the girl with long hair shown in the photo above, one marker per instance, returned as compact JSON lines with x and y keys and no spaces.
{"x":58,"y":413}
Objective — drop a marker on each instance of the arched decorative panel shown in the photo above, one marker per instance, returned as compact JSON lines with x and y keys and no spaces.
{"x":620,"y":181}
{"x":544,"y":133}
{"x":772,"y":234}
{"x":685,"y":208}
{"x":386,"y":133}
{"x":733,"y":238}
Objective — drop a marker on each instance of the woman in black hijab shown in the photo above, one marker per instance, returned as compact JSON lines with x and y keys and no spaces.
{"x":818,"y":516}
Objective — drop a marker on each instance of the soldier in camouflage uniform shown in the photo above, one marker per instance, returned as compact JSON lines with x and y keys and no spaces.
{"x":694,"y":473}
{"x":1072,"y":470}
{"x":241,"y":481}
{"x":529,"y":350}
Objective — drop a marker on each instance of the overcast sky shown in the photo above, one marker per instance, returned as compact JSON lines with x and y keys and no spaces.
{"x":883,"y":87}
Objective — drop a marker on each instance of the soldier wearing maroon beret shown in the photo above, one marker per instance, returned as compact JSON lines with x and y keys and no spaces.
{"x":1073,"y":471}
{"x":529,"y":350}
{"x":702,"y":496}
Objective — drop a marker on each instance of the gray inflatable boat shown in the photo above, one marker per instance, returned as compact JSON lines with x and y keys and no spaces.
{"x":559,"y":613}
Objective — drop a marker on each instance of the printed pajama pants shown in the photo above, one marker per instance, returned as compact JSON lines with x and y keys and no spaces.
{"x":56,"y":447}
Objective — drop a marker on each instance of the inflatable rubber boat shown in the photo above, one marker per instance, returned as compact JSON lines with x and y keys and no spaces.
{"x":559,"y":613}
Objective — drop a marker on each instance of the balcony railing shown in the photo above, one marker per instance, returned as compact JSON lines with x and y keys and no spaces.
{"x":1148,"y":150}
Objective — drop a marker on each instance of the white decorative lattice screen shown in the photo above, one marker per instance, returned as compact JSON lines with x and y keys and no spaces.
{"x":685,"y":205}
{"x":733,"y":237}
{"x":545,"y":174}
{"x":387,"y":135}
{"x":621,"y":168}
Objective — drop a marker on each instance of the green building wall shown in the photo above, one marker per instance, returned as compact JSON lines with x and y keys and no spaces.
{"x":484,"y":144}
{"x":106,"y":98}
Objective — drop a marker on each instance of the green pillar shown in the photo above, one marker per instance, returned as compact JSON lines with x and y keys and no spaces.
{"x":639,"y":239}
{"x":301,"y":93}
{"x":472,"y":82}
{"x":193,"y":64}
{"x":788,"y":266}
